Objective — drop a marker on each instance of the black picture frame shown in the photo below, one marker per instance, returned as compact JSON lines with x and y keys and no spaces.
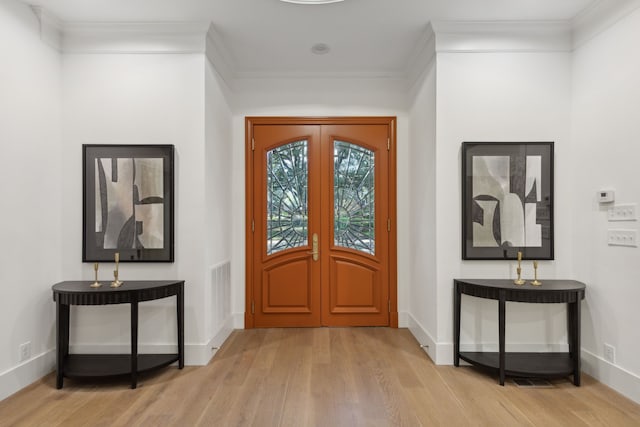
{"x":128,"y":203}
{"x":507,"y":200}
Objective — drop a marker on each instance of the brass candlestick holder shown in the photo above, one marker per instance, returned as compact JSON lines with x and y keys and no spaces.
{"x":95,"y":284}
{"x":535,"y":282}
{"x":519,"y":280}
{"x":116,"y":282}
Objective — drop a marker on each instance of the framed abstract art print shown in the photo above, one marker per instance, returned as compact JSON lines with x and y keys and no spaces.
{"x":507,"y":200}
{"x":128,"y":203}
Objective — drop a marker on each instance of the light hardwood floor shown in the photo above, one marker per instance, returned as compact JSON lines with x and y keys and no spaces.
{"x":317,"y":377}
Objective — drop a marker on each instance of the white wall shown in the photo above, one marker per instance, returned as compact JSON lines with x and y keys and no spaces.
{"x":423,"y":307}
{"x":218,"y":150}
{"x":30,"y":185}
{"x":606,"y":134}
{"x":317,"y":98}
{"x":499,"y":96}
{"x":139,"y":99}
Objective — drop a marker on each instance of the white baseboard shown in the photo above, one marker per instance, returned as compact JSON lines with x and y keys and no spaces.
{"x":15,"y":379}
{"x":403,"y":319}
{"x":515,"y":347}
{"x":219,"y":338}
{"x":441,"y":354}
{"x":26,"y":373}
{"x":201,"y":354}
{"x":238,"y":320}
{"x":422,"y":336}
{"x":195,"y":354}
{"x":619,"y":379}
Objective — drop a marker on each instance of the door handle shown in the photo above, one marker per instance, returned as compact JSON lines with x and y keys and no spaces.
{"x":314,"y":247}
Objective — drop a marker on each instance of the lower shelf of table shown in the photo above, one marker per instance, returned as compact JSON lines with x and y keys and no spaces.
{"x":523,"y":364}
{"x":107,"y":365}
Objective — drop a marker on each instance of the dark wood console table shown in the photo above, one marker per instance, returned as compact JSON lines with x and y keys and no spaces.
{"x":521,"y":364}
{"x":66,"y":294}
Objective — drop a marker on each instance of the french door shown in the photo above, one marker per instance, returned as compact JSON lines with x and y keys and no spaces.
{"x":321,"y":241}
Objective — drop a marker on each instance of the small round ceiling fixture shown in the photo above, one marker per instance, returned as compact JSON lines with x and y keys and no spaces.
{"x":311,"y":1}
{"x":320,"y":49}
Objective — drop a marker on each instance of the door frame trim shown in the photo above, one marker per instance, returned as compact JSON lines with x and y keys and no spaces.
{"x":250,"y":121}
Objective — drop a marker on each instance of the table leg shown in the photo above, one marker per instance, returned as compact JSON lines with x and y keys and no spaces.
{"x":570,"y":332}
{"x":134,"y":342}
{"x":573,"y":330}
{"x":180,"y":308}
{"x":62,"y":340}
{"x":456,"y":324}
{"x":501,"y":333}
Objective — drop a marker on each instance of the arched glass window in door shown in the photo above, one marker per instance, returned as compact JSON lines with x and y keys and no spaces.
{"x":287,"y":213}
{"x":354,"y":197}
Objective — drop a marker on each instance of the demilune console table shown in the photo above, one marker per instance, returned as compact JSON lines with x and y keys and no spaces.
{"x":66,"y":294}
{"x":520,"y":364}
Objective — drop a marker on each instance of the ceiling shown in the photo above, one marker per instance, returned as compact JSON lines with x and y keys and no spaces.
{"x":272,"y":37}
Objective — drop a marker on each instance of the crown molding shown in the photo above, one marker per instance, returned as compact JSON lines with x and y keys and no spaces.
{"x":601,"y":15}
{"x":50,"y":27}
{"x":329,"y":75}
{"x":437,"y":37}
{"x":134,"y":37}
{"x":423,"y":54}
{"x":219,"y":56}
{"x":502,"y":36}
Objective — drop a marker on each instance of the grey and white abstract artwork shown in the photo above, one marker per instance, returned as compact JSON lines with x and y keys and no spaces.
{"x":507,"y":200}
{"x":504,"y":209}
{"x":129,"y":205}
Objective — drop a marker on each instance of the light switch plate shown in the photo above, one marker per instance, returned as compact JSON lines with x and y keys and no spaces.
{"x":626,"y":212}
{"x":622,"y":238}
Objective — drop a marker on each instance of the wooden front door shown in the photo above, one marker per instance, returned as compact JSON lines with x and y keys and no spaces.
{"x":320,"y":213}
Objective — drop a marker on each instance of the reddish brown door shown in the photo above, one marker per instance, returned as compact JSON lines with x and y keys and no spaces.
{"x":286,"y":208}
{"x":320,"y":246}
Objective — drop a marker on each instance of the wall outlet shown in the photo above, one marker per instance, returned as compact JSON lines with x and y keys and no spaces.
{"x":622,"y":212}
{"x":609,"y":353}
{"x":25,"y":351}
{"x":622,"y":237}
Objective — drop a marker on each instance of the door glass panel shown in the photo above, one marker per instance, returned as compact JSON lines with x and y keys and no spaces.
{"x":287,"y":215}
{"x":354,"y":197}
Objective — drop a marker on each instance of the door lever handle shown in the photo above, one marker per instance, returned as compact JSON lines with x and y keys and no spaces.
{"x":314,"y":247}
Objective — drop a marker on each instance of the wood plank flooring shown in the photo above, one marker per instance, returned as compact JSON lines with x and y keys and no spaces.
{"x":317,"y":377}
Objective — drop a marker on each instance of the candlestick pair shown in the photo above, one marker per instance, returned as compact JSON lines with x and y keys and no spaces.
{"x":116,"y":282}
{"x":520,"y":280}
